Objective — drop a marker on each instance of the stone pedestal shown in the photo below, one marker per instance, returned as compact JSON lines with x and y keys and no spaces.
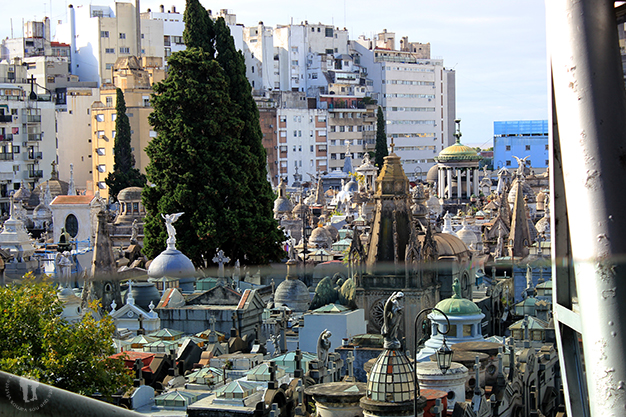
{"x":453,"y":382}
{"x":373,"y":408}
{"x":337,"y":399}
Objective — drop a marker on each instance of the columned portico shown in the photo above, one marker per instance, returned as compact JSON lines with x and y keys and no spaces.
{"x":453,"y":163}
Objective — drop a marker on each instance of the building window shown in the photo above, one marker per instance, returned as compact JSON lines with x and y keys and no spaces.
{"x":100,"y":117}
{"x":122,"y":36}
{"x":547,"y":147}
{"x":527,"y":147}
{"x":102,"y":185}
{"x":109,"y":66}
{"x":168,"y":52}
{"x":283,"y":119}
{"x":146,"y":101}
{"x":109,"y":50}
{"x":104,"y":33}
{"x":102,"y":168}
{"x":329,"y":32}
{"x":508,"y":163}
{"x":71,"y":225}
{"x":311,"y":148}
{"x":547,"y":162}
{"x":100,"y":133}
{"x":252,"y":69}
{"x":295,"y":134}
{"x":508,"y":147}
{"x":109,"y":101}
{"x":124,"y":50}
{"x":101,"y":151}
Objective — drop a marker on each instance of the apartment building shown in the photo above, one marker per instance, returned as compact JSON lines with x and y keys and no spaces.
{"x":417,"y":95}
{"x":135,"y":77}
{"x":27,"y":133}
{"x":520,"y":138}
{"x":351,"y":128}
{"x":302,"y":146}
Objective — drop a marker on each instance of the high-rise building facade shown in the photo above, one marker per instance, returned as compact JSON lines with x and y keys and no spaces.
{"x":520,"y":138}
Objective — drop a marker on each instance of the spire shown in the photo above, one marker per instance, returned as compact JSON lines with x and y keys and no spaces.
{"x":72,"y":188}
{"x":129,"y":296}
{"x":457,"y":133}
{"x":519,"y":238}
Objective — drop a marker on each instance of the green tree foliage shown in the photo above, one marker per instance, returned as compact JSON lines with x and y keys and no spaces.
{"x":198,"y":32}
{"x":36,"y":342}
{"x":206,"y":118}
{"x":124,"y":172}
{"x":381,"y":139}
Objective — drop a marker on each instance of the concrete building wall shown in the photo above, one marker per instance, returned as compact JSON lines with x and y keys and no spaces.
{"x":355,"y":126}
{"x":341,"y":325}
{"x":520,"y":138}
{"x":75,"y":137}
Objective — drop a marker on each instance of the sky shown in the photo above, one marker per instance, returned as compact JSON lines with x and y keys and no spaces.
{"x":496,"y":47}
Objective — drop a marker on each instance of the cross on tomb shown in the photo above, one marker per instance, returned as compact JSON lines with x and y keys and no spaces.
{"x":220,"y":259}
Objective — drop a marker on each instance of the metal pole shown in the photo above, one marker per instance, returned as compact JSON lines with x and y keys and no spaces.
{"x":416,"y":387}
{"x":589,"y":139}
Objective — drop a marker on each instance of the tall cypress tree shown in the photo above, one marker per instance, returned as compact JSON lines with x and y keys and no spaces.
{"x":124,"y":172}
{"x":381,"y":139}
{"x":212,"y":115}
{"x":259,"y":224}
{"x":194,"y":161}
{"x":199,"y":31}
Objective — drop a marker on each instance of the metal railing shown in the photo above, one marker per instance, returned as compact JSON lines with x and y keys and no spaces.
{"x":34,"y":136}
{"x":6,"y":156}
{"x":35,"y":173}
{"x":6,"y":118}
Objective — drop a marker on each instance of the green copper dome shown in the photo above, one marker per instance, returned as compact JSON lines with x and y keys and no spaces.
{"x":457,"y":305}
{"x":458,"y":152}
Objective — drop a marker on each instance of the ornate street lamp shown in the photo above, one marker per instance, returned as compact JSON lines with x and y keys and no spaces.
{"x":444,"y":353}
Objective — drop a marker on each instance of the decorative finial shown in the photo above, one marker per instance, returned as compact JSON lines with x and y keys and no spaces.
{"x":113,"y":306}
{"x":72,"y":187}
{"x":151,"y":306}
{"x":457,"y":133}
{"x":392,"y":145}
{"x":129,"y":297}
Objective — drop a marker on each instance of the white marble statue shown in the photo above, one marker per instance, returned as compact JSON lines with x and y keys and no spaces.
{"x":171,"y":232}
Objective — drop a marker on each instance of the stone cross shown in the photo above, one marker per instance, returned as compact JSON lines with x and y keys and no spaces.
{"x":220,"y":259}
{"x":350,"y":365}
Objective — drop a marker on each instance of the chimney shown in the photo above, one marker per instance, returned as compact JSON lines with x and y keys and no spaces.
{"x":73,"y":40}
{"x":162,"y":8}
{"x":173,"y":9}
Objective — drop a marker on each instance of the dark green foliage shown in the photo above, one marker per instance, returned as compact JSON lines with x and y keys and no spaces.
{"x":200,"y":165}
{"x":198,"y":32}
{"x":260,"y":225}
{"x":124,"y":173}
{"x":381,"y":139}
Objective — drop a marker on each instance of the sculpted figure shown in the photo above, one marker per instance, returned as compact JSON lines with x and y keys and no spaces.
{"x":171,"y":232}
{"x":323,"y":346}
{"x":392,"y":320}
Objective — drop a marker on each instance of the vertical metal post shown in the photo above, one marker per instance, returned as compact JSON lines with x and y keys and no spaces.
{"x":589,"y":244}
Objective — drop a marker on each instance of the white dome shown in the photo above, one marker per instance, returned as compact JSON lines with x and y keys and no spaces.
{"x":171,"y":263}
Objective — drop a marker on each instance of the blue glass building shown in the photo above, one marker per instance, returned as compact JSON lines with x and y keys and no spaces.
{"x":520,"y":138}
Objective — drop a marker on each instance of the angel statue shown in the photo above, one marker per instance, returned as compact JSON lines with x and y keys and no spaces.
{"x":392,"y":320}
{"x":323,"y":346}
{"x":171,"y":232}
{"x":521,"y":164}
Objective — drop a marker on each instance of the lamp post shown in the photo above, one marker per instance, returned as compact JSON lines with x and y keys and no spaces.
{"x":444,"y":353}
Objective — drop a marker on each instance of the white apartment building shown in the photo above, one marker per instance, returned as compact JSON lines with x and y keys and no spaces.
{"x":302,"y":145}
{"x":417,"y":95}
{"x":27,"y":135}
{"x":104,"y":33}
{"x":280,"y":58}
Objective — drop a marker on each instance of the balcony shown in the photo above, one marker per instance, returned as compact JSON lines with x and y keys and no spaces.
{"x":6,"y":118}
{"x":34,"y":136}
{"x":6,"y":156}
{"x":34,"y":155}
{"x":33,"y":118}
{"x":8,"y":137}
{"x":35,"y":173}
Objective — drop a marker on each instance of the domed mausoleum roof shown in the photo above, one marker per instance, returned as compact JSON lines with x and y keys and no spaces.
{"x":171,"y":263}
{"x":391,"y":378}
{"x":458,"y":152}
{"x":457,"y":305}
{"x":130,"y":194}
{"x":292,"y":292}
